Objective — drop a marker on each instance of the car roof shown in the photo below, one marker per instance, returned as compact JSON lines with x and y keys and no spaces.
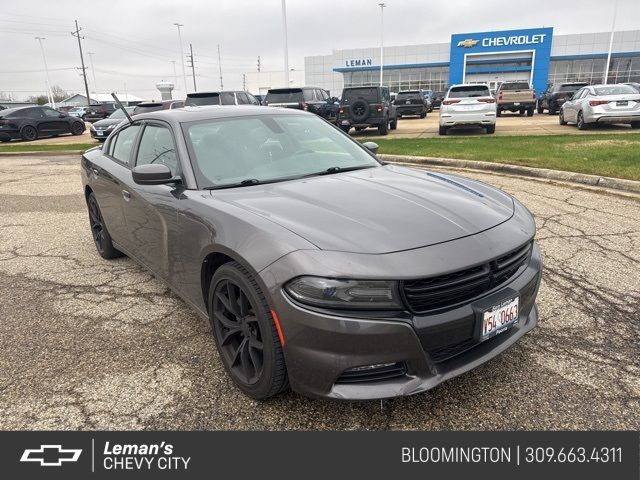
{"x":208,"y":112}
{"x":469,"y":85}
{"x":8,"y":111}
{"x":410,"y":91}
{"x":217,"y":92}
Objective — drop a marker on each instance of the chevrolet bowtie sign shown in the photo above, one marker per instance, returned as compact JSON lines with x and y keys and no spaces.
{"x":468,"y":43}
{"x":50,"y":455}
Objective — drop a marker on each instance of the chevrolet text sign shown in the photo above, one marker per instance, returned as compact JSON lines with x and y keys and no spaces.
{"x":514,"y":40}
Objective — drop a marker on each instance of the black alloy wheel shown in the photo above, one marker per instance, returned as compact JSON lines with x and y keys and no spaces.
{"x":99,"y":231}
{"x":77,"y":128}
{"x":29,"y":133}
{"x":245,"y":333}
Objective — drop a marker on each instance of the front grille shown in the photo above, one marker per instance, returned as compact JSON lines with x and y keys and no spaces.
{"x":452,"y":289}
{"x":377,"y":374}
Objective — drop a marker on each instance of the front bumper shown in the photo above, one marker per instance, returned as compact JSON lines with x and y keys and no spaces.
{"x":321,"y":346}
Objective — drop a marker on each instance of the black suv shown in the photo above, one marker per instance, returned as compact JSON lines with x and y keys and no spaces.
{"x":228,"y":97}
{"x":364,"y":107}
{"x":555,"y":95}
{"x":311,"y":99}
{"x":411,"y":102}
{"x":99,"y":112}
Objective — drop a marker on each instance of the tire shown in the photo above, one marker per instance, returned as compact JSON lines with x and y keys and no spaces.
{"x":360,"y":129}
{"x":383,"y":128}
{"x":393,"y":124}
{"x":561,"y":118}
{"x":530,"y":112}
{"x":360,"y":111}
{"x":245,"y":333}
{"x":521,"y":112}
{"x":580,"y":122}
{"x":101,"y":237}
{"x":552,"y":109}
{"x":77,"y":128}
{"x":540,"y":109}
{"x":345,"y":129}
{"x":491,"y":129}
{"x":5,"y":139}
{"x":442,"y":130}
{"x":635,"y":124}
{"x":423,"y":115}
{"x":498,"y":113}
{"x":29,"y":133}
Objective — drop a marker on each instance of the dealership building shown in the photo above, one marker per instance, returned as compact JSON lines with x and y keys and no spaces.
{"x":534,"y":55}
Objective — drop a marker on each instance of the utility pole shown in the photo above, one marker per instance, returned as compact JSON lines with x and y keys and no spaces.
{"x":93,"y":72}
{"x":184,"y":73}
{"x":244,"y":82}
{"x":382,"y":6}
{"x":613,"y":27}
{"x":286,"y":43}
{"x":84,"y":69}
{"x":220,"y":67}
{"x":46,"y":71}
{"x":258,"y":63}
{"x":193,"y":67}
{"x":175,"y":75}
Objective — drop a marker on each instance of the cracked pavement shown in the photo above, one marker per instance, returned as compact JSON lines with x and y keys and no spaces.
{"x":87,"y":343}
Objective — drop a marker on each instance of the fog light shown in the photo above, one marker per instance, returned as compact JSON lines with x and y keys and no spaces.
{"x":370,"y":367}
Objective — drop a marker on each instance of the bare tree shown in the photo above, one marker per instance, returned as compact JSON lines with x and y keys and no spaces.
{"x":59,"y":93}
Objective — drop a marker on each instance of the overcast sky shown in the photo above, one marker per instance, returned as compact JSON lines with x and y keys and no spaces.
{"x":134,"y":41}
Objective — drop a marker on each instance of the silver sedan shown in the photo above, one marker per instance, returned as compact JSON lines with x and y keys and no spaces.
{"x":595,"y":104}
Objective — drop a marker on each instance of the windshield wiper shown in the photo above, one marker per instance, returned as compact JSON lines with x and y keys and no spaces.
{"x":243,"y":183}
{"x":331,"y":170}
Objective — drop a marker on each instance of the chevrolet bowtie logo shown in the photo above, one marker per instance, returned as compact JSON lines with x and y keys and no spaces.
{"x":50,"y":455}
{"x":468,"y":43}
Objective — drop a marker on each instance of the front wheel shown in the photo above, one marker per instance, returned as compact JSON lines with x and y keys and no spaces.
{"x":345,"y":128}
{"x":99,"y":231}
{"x":423,"y":115}
{"x":245,"y":333}
{"x":561,"y":118}
{"x":491,"y":129}
{"x":442,"y":130}
{"x":77,"y":128}
{"x":530,"y":112}
{"x":635,"y":124}
{"x":580,"y":122}
{"x":540,"y":109}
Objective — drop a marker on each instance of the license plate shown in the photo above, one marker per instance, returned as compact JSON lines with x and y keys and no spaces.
{"x":100,"y":134}
{"x":345,"y":122}
{"x":516,"y":103}
{"x":500,"y":317}
{"x":408,"y":102}
{"x":622,"y":103}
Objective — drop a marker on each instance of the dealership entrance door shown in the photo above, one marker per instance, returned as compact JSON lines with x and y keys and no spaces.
{"x":495,"y":68}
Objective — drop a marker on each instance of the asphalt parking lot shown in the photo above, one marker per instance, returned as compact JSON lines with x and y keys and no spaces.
{"x":87,"y":343}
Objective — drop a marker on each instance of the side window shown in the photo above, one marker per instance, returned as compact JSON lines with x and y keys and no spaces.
{"x":252,"y":100}
{"x":227,"y":98}
{"x":123,"y":145}
{"x":178,"y":104}
{"x":50,"y":112}
{"x":242,"y":98}
{"x":34,"y":113}
{"x":309,"y":96}
{"x":156,"y":146}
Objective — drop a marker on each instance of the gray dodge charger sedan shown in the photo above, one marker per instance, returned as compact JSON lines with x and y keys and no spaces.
{"x":319,"y":267}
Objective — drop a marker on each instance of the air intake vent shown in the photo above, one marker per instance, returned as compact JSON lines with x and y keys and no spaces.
{"x":373,"y":373}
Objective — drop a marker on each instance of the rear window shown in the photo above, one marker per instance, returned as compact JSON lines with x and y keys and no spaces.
{"x":515,"y":86}
{"x":469,"y":91}
{"x":615,"y":90}
{"x":285,"y":95}
{"x":366,"y":94}
{"x":147,"y":108}
{"x":200,"y":99}
{"x":409,"y":96}
{"x":570,"y":87}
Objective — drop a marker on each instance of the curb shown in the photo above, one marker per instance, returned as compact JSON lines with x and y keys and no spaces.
{"x":54,"y":153}
{"x":632,"y":186}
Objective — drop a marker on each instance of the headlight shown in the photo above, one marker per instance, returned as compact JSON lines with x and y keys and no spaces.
{"x":353,"y":294}
{"x":92,"y":128}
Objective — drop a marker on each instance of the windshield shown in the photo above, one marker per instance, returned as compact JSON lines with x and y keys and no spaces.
{"x":198,"y":100}
{"x":287,"y":95}
{"x":154,"y":107}
{"x":268,"y":148}
{"x":469,"y":91}
{"x":369,"y":95}
{"x":614,"y":90}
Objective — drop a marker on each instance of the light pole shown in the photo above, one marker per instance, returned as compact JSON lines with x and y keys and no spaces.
{"x":175,"y":75}
{"x":93,"y":72}
{"x":46,"y":72}
{"x":285,"y":41}
{"x":182,"y":57}
{"x":382,"y":6}
{"x":613,"y":27}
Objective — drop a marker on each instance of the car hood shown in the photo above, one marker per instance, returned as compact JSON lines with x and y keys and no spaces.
{"x":108,"y":121}
{"x":378,"y":210}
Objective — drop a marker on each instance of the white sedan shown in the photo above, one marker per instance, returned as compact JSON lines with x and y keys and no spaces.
{"x":595,"y":104}
{"x":468,"y":105}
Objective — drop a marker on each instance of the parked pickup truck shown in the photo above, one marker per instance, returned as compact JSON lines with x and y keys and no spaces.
{"x":516,"y":97}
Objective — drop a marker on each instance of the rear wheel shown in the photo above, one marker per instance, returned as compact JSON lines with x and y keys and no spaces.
{"x":99,"y":231}
{"x":530,"y":112}
{"x":245,"y":333}
{"x":540,"y":109}
{"x":423,"y":115}
{"x":383,"y":128}
{"x":77,"y":128}
{"x":552,"y":109}
{"x":442,"y":130}
{"x":635,"y":124}
{"x":29,"y":133}
{"x":393,"y":124}
{"x":580,"y":122}
{"x":491,"y":129}
{"x":521,"y":111}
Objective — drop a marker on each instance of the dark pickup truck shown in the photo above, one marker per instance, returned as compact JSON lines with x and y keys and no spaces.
{"x":555,"y":95}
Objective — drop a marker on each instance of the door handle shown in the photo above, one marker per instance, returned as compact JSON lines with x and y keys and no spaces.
{"x":126,"y":195}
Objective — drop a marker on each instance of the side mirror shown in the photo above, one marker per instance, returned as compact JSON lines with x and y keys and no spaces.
{"x":393,"y":97}
{"x":371,"y":146}
{"x":153,"y":174}
{"x":63,"y":115}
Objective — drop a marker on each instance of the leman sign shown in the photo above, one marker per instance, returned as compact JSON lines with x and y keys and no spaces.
{"x":513,"y":40}
{"x":358,"y":62}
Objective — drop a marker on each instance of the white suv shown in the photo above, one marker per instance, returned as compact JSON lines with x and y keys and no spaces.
{"x":468,"y":105}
